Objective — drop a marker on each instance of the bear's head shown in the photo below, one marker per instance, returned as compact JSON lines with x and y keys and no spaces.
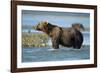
{"x":41,"y":26}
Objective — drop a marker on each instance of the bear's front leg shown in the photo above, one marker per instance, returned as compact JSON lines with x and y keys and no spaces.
{"x":55,"y":43}
{"x":55,"y":36}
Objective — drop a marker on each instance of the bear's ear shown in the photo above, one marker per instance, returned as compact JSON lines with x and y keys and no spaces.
{"x":45,"y":27}
{"x":45,"y":22}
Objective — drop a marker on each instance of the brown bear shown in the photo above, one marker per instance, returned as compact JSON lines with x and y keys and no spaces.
{"x":68,"y":37}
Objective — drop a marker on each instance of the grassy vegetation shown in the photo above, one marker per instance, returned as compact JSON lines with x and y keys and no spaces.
{"x":34,"y":39}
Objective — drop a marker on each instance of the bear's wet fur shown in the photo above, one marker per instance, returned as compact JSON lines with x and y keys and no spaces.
{"x":68,"y":37}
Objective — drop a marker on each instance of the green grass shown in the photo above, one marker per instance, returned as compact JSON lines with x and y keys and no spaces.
{"x":34,"y":39}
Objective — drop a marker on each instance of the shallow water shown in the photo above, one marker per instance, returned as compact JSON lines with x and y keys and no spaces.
{"x":35,"y":54}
